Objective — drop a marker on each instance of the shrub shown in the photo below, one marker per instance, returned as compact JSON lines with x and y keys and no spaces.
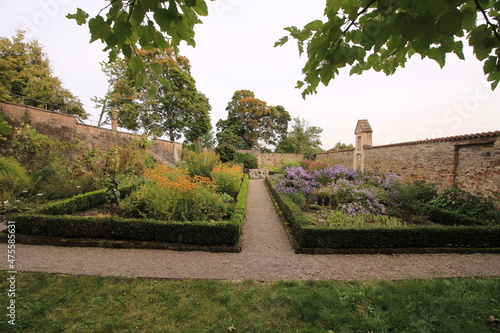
{"x":228,"y":179}
{"x":226,"y":152}
{"x":312,"y":165}
{"x":249,"y":161}
{"x":288,"y":163}
{"x":200,"y":164}
{"x":341,"y":219}
{"x":464,"y":203}
{"x":172,"y":194}
{"x":13,"y":178}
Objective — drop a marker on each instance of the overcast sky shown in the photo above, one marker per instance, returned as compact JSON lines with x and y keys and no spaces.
{"x":235,"y":51}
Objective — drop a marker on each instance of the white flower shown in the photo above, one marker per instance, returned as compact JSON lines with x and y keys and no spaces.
{"x":6,"y":202}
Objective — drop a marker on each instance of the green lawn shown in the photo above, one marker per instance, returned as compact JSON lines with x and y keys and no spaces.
{"x":61,"y":303}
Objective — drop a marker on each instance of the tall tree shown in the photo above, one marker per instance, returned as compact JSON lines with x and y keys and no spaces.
{"x":341,"y":146}
{"x":176,"y":108}
{"x":26,"y":76}
{"x":250,"y":122}
{"x":125,"y":26}
{"x":383,"y":34}
{"x":302,"y":139}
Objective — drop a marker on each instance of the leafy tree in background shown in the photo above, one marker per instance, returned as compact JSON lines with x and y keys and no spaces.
{"x":26,"y":76}
{"x":341,"y":146}
{"x":383,"y":34}
{"x":302,"y":139}
{"x":177,"y":107}
{"x":251,"y":121}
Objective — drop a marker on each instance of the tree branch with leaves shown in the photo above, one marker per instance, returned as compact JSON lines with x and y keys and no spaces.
{"x":383,"y":34}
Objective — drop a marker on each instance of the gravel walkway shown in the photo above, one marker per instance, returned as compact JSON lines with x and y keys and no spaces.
{"x":266,"y":256}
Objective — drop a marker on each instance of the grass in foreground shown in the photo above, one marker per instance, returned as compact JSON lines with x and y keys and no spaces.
{"x":61,"y":303}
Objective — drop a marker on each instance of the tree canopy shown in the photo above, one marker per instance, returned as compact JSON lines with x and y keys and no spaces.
{"x":341,"y":146}
{"x":302,"y":139}
{"x":131,"y":25}
{"x":176,"y":109}
{"x":383,"y":34}
{"x":251,"y":122}
{"x":26,"y":76}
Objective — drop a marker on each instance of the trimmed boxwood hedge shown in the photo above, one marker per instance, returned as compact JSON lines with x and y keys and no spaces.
{"x":54,"y":220}
{"x":308,"y":236}
{"x":80,"y":202}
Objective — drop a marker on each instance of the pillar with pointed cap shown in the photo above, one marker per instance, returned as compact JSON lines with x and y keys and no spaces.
{"x":363,"y":134}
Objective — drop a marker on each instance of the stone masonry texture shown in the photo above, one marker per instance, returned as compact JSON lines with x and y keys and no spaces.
{"x":66,"y":127}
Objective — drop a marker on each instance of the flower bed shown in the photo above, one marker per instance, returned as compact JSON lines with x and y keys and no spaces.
{"x":171,"y":207}
{"x":338,"y":208}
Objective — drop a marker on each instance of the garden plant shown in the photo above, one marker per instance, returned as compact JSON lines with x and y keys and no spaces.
{"x":331,"y":206}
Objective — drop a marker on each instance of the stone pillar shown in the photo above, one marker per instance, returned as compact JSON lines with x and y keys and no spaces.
{"x":363,"y":133}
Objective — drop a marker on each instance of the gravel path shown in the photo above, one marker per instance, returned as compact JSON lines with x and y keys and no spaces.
{"x":266,"y":256}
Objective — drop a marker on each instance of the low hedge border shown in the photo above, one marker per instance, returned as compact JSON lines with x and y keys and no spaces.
{"x":311,"y":238}
{"x":47,"y":221}
{"x":79,"y":202}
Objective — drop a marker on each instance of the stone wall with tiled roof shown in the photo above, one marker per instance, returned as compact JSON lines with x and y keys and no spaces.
{"x":468,"y":137}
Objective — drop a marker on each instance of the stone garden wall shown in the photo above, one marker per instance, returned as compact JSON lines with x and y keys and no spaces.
{"x":66,"y":127}
{"x":272,"y":159}
{"x":471,"y":162}
{"x":344,"y":157}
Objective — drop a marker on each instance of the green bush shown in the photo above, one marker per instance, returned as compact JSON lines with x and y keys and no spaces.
{"x":13,"y":179}
{"x":228,"y":178}
{"x":118,"y":228}
{"x":200,"y":164}
{"x":80,"y":202}
{"x":226,"y":152}
{"x":400,"y":237}
{"x":164,"y":203}
{"x":249,"y":161}
{"x":464,"y":203}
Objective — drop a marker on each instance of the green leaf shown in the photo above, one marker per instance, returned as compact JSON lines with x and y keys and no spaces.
{"x":450,"y":23}
{"x":115,"y":10}
{"x":173,"y":10}
{"x":156,"y":68}
{"x":99,"y":29}
{"x":162,"y":17}
{"x":406,"y":25}
{"x":190,"y":3}
{"x":123,"y":30}
{"x":150,"y":5}
{"x":423,"y":5}
{"x":136,"y":65}
{"x":438,"y":55}
{"x":490,"y":64}
{"x":138,"y":13}
{"x":127,"y":50}
{"x":201,"y":8}
{"x":80,"y":16}
{"x":314,"y":25}
{"x":153,"y":90}
{"x":281,"y":42}
{"x":141,"y":79}
{"x":110,"y":40}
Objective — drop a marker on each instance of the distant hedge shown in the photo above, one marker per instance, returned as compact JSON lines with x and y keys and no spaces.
{"x":311,"y":237}
{"x":54,"y":220}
